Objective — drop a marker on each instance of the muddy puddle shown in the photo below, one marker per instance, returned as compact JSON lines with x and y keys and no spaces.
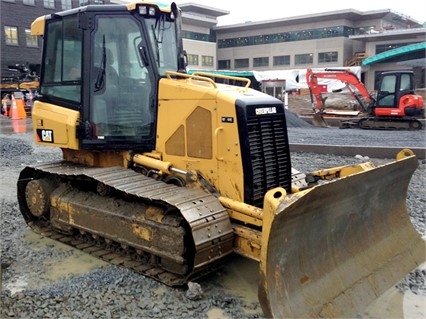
{"x":53,"y":268}
{"x":216,"y":313}
{"x":77,"y":263}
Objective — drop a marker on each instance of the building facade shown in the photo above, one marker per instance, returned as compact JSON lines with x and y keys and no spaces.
{"x":327,"y":40}
{"x":333,"y":39}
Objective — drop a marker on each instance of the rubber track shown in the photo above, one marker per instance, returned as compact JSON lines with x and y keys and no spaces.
{"x":194,"y":205}
{"x":390,"y":124}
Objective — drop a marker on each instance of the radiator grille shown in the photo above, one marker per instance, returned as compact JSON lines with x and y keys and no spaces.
{"x":269,"y":155}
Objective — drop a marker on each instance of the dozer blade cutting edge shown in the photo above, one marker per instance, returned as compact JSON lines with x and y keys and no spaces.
{"x":331,"y":250}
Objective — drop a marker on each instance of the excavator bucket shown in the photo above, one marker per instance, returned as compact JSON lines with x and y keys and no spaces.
{"x":331,"y":250}
{"x":318,"y":120}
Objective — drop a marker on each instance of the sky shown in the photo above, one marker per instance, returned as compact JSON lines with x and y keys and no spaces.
{"x":242,"y":11}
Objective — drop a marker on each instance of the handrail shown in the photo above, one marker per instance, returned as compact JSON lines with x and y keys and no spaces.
{"x":223,"y":76}
{"x":205,"y":76}
{"x":190,"y":77}
{"x":356,"y":59}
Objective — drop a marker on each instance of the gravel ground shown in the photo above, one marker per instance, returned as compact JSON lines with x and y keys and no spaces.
{"x":105,"y":291}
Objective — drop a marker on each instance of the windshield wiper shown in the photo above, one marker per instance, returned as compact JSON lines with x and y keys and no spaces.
{"x":157,"y":50}
{"x":158,"y":33}
{"x":101,"y":72}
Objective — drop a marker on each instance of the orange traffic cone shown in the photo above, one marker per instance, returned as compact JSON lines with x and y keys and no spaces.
{"x":19,"y":126}
{"x":17,"y":111}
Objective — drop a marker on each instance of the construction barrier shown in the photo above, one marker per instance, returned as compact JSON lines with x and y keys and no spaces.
{"x":17,"y":109}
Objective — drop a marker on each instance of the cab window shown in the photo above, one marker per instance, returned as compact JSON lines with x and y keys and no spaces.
{"x":61,"y":76}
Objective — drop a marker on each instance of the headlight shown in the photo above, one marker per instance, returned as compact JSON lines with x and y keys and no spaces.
{"x":143,"y":10}
{"x":147,"y":10}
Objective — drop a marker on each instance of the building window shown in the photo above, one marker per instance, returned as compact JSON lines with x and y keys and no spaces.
{"x":29,"y":2}
{"x":241,"y":63}
{"x":263,"y":61}
{"x":307,"y":58}
{"x":198,"y":36}
{"x":206,"y":60}
{"x":49,"y":4}
{"x":301,"y":35}
{"x":11,"y":35}
{"x":192,"y":59}
{"x":66,"y":4}
{"x":87,"y":2}
{"x":281,"y":60}
{"x":224,"y":64}
{"x":31,"y":40}
{"x":325,"y":57}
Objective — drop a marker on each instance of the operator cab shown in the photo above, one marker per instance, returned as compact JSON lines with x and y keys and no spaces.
{"x":106,"y":62}
{"x":392,"y":86}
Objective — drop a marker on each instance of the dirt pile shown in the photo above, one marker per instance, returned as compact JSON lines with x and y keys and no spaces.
{"x":342,"y":101}
{"x":300,"y":107}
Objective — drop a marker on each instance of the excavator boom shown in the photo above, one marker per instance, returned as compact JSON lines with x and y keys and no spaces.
{"x":346,"y":76}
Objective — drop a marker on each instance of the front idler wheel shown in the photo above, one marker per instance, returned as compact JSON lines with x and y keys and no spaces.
{"x":37,"y":195}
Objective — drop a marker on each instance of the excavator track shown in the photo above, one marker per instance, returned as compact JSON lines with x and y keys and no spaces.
{"x":375,"y":123}
{"x":169,"y":233}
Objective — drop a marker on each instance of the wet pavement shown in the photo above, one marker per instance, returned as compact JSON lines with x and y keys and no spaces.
{"x":8,"y":126}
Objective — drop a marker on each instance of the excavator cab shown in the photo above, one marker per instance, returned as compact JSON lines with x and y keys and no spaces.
{"x":396,"y":95}
{"x":106,"y":64}
{"x":392,"y":86}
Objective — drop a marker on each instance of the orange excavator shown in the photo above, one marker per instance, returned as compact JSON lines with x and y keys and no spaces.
{"x":396,"y":106}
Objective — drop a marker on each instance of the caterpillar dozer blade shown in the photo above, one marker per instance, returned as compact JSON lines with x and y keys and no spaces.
{"x":331,"y":250}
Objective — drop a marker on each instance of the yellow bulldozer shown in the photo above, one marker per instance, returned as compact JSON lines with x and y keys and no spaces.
{"x":168,"y":174}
